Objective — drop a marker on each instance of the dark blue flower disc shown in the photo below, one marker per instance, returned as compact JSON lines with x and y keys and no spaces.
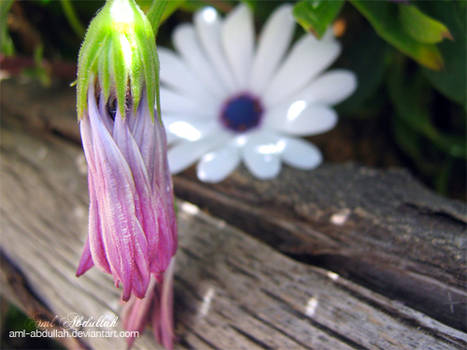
{"x":241,"y":113}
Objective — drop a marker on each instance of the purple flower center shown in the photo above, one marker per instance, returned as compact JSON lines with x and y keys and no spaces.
{"x":241,"y":113}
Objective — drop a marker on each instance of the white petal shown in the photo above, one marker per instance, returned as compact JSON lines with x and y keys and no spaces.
{"x":190,"y":130}
{"x":273,"y":43}
{"x":184,"y":154}
{"x":238,"y":43}
{"x":330,"y":88}
{"x":208,"y":27}
{"x":300,"y":153}
{"x":308,"y":58}
{"x":217,"y":165}
{"x":300,"y":118}
{"x":187,"y":44}
{"x":263,"y":166}
{"x":171,"y":138}
{"x":172,"y":101}
{"x":264,"y":141}
{"x":175,"y":74}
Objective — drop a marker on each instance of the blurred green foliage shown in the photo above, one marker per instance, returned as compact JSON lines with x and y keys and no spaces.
{"x":6,"y":44}
{"x":386,"y":20}
{"x":409,"y":56}
{"x":13,"y":319}
{"x":72,"y":17}
{"x":317,"y":15}
{"x":450,"y":81}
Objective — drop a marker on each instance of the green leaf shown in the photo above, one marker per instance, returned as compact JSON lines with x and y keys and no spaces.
{"x":450,"y":81}
{"x":421,"y":27}
{"x":316,"y":15}
{"x":383,"y":16}
{"x":6,"y":44}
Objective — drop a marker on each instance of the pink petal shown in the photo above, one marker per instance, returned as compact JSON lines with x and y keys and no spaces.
{"x":162,"y":317}
{"x":164,"y":182}
{"x":151,"y":139}
{"x":135,"y":313}
{"x":144,"y":202}
{"x":95,"y":233}
{"x":95,"y":239}
{"x":123,"y":237}
{"x":85,"y":263}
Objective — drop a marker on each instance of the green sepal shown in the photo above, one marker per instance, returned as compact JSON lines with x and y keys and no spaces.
{"x":136,"y":84}
{"x":104,"y":69}
{"x":136,"y":79}
{"x":119,"y":70}
{"x":151,"y":77}
{"x":88,"y":56}
{"x":121,"y":52}
{"x":148,"y":58}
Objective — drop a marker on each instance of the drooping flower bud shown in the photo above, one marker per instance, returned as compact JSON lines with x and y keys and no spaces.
{"x":132,"y":227}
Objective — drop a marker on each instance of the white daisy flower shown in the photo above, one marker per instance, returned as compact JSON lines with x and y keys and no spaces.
{"x":224,"y":101}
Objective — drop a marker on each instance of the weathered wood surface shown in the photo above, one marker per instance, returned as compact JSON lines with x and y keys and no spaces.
{"x":381,"y":229}
{"x":232,"y":292}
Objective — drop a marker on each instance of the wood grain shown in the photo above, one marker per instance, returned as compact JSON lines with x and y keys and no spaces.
{"x":232,"y":291}
{"x":379,"y":228}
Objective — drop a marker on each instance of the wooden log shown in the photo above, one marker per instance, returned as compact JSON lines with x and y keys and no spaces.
{"x":231,"y":290}
{"x":381,"y":229}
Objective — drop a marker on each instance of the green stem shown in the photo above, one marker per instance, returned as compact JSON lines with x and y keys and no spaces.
{"x":154,"y":17}
{"x":155,"y":14}
{"x":72,"y":18}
